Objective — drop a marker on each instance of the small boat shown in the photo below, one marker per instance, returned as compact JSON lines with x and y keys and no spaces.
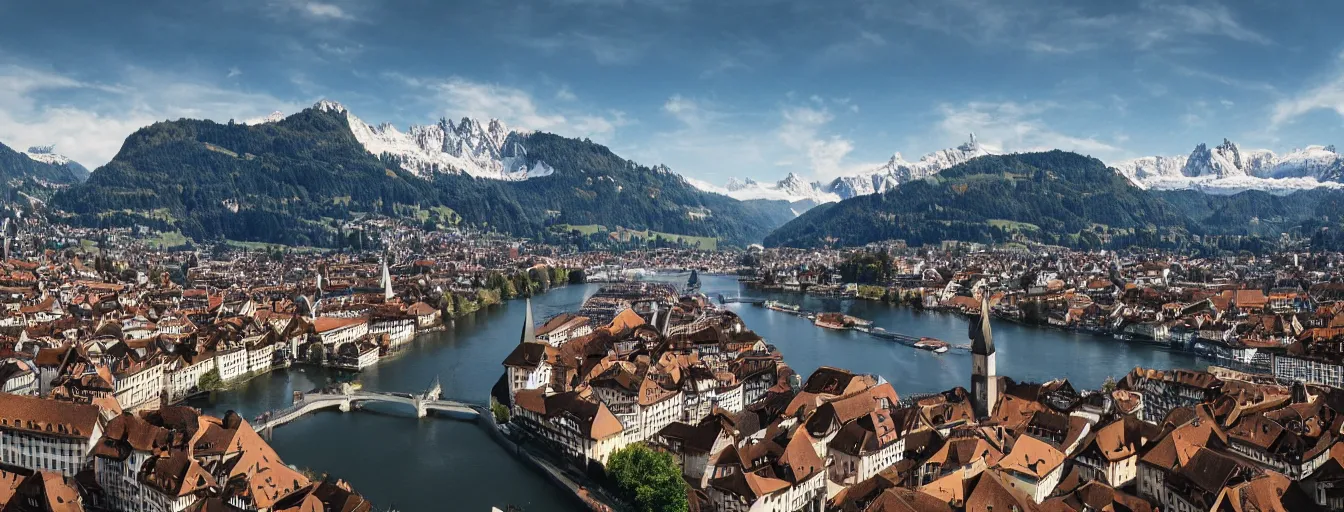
{"x":932,"y":345}
{"x":780,"y":306}
{"x":831,"y":321}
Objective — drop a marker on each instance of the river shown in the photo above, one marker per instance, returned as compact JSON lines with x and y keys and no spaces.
{"x":439,"y":464}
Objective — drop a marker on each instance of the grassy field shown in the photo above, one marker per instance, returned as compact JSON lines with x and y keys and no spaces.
{"x":585,"y":229}
{"x":706,"y":242}
{"x":1012,"y":225}
{"x":166,"y":239}
{"x":261,"y":246}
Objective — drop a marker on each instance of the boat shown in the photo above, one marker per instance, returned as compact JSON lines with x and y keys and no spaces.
{"x":831,"y":321}
{"x":932,"y":345}
{"x":780,"y":306}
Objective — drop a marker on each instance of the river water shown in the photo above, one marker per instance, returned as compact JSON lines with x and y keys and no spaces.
{"x":437,"y":464}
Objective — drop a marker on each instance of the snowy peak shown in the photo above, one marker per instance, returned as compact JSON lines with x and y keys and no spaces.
{"x":484,"y":150}
{"x":46,"y":154}
{"x":897,"y":170}
{"x":1228,"y":168}
{"x":792,"y":188}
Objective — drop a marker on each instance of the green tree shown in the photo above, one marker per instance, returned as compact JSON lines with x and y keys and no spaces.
{"x":648,"y":479}
{"x":210,"y":381}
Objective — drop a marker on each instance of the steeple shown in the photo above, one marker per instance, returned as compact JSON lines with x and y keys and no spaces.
{"x":982,"y":337}
{"x":387,"y":282}
{"x":529,"y":332}
{"x":984,"y":381}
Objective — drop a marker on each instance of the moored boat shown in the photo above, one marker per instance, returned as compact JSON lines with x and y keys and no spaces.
{"x":932,"y":345}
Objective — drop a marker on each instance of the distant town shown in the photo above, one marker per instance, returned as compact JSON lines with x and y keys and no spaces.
{"x":111,"y":340}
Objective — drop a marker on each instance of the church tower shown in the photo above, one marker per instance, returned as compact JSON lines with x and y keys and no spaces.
{"x":387,"y":283}
{"x":529,"y":330}
{"x":984,"y":382}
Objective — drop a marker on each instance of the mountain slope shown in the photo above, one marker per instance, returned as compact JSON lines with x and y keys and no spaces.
{"x":292,"y":181}
{"x":16,"y":165}
{"x":273,"y":182}
{"x":1051,"y":197}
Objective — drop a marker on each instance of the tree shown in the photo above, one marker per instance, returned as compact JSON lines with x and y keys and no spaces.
{"x":210,"y":381}
{"x":1109,"y":385}
{"x":648,"y":479}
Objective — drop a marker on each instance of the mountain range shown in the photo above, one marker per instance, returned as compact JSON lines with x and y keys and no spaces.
{"x":295,"y":179}
{"x":896,"y":171}
{"x":1228,"y":169}
{"x":1062,"y":198}
{"x":1224,"y":169}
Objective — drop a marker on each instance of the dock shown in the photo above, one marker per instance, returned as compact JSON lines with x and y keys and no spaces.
{"x":740,"y":300}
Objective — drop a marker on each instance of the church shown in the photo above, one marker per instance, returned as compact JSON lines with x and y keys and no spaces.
{"x":984,"y":381}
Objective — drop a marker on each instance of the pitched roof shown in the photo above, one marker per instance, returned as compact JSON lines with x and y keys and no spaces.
{"x":47,"y":417}
{"x":1032,"y":457}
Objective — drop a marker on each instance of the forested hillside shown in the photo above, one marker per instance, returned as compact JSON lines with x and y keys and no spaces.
{"x":295,"y":180}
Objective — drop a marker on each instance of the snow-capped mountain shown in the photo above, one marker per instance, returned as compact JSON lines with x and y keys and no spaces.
{"x":1228,"y":169}
{"x":792,"y":188}
{"x":273,"y":117}
{"x":483,"y":150}
{"x":896,"y":171}
{"x":48,"y":155}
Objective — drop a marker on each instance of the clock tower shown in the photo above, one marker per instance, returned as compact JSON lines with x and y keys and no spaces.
{"x":984,"y":382}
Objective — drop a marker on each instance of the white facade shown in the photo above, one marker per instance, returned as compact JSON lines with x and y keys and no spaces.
{"x":21,"y":384}
{"x":119,"y":480}
{"x":344,"y":334}
{"x":232,"y":363}
{"x":850,"y":469}
{"x":182,"y":381}
{"x":141,"y":389}
{"x":1308,"y":370}
{"x":655,"y":416}
{"x":524,"y":378}
{"x":65,"y":454}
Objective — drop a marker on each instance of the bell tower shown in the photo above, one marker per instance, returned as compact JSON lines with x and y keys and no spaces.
{"x":984,"y":382}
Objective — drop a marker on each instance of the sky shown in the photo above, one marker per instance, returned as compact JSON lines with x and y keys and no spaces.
{"x":714,"y":89}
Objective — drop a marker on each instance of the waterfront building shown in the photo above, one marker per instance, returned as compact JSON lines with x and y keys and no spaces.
{"x":141,"y":385}
{"x":562,"y":328}
{"x":571,"y":424}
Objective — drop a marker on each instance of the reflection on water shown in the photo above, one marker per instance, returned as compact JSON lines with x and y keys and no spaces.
{"x":416,"y":465}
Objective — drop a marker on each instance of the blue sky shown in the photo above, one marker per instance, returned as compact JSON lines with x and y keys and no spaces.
{"x":753,"y":88}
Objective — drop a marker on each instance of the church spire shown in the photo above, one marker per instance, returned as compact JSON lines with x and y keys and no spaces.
{"x":529,"y":332}
{"x":982,"y":336}
{"x":984,"y":380}
{"x":387,"y":282}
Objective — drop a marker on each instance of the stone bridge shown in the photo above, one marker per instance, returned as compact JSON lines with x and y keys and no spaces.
{"x":430,"y":400}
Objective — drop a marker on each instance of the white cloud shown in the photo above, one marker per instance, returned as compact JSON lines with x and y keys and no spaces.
{"x":517,"y":108}
{"x":311,"y":9}
{"x":90,"y":121}
{"x":564,"y":94}
{"x":712,"y":143}
{"x":1327,"y":96}
{"x":604,"y":49}
{"x":802,"y":131}
{"x":1064,"y":27}
{"x":234,"y":72}
{"x":321,"y":10}
{"x":1014,"y":127}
